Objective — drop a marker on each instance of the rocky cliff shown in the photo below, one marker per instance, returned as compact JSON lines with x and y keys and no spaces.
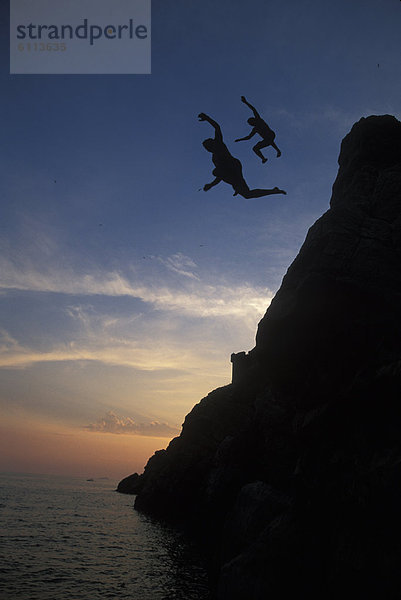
{"x":293,"y":472}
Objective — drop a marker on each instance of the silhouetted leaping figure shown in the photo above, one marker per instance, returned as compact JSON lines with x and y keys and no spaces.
{"x":261,"y":127}
{"x":228,"y":168}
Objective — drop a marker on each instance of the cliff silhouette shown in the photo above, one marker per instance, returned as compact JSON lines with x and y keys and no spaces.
{"x":292,"y":473}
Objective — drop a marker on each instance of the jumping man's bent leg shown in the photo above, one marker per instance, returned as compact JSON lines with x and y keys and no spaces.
{"x":257,"y":149}
{"x":277,"y":149}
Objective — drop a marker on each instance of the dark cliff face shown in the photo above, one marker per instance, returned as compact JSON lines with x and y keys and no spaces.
{"x":293,"y":472}
{"x":335,"y":313}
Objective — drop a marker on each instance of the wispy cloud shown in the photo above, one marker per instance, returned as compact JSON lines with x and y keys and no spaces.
{"x":196,"y":299}
{"x":180,"y":264}
{"x":111,"y":423}
{"x":178,"y":320}
{"x":12,"y":353}
{"x":192,"y":332}
{"x":163,"y":345}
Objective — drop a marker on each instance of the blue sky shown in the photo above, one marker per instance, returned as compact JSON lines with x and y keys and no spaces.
{"x":124,"y":289}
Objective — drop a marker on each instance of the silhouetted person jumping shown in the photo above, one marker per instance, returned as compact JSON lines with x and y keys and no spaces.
{"x":261,"y":127}
{"x":228,"y":168}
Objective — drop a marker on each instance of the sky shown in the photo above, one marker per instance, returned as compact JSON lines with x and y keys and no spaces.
{"x":123,"y":288}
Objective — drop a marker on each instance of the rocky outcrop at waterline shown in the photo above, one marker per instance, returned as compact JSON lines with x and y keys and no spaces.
{"x":129,"y":485}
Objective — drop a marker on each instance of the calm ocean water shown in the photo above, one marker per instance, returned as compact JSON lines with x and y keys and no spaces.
{"x":68,"y":538}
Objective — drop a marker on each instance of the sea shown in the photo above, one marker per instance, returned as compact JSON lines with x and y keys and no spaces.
{"x":71,"y":539}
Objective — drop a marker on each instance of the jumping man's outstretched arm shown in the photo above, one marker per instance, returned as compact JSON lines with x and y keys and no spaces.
{"x":218,"y":134}
{"x":207,"y":187}
{"x":253,"y":109}
{"x":247,"y":137}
